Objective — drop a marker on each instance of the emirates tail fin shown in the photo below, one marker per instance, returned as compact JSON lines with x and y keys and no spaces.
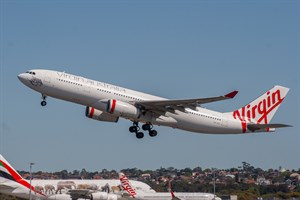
{"x":8,"y":172}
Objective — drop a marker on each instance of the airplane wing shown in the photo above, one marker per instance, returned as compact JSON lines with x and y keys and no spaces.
{"x":256,"y":127}
{"x":171,"y":105}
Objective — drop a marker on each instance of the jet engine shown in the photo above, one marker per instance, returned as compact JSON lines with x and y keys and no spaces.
{"x":103,"y":196}
{"x":60,"y":197}
{"x":122,"y":109}
{"x":100,"y":115}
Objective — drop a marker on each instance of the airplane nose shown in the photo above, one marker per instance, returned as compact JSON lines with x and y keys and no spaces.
{"x":22,"y":77}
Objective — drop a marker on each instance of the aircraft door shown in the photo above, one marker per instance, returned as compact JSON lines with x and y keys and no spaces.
{"x":47,"y":78}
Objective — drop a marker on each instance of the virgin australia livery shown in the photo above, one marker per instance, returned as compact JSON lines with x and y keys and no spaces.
{"x":131,"y":192}
{"x":106,"y":102}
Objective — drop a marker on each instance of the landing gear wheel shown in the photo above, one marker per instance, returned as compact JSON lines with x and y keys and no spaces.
{"x":153,"y":133}
{"x":139,"y":135}
{"x":133,"y":129}
{"x":43,"y":103}
{"x":146,"y":127}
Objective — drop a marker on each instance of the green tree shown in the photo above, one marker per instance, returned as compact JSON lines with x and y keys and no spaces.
{"x":83,"y":173}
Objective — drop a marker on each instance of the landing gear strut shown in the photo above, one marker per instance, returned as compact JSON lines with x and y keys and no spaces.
{"x":135,"y":129}
{"x":43,"y":102}
{"x":146,"y":127}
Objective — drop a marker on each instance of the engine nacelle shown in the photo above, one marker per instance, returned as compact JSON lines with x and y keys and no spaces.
{"x":122,"y":109}
{"x":100,"y":115}
{"x":103,"y":196}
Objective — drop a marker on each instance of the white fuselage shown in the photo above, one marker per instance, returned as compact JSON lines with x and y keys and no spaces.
{"x":91,"y":93}
{"x":57,"y":189}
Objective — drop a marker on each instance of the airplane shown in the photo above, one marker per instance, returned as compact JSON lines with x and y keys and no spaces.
{"x":11,"y":183}
{"x":130,"y":192}
{"x":107,"y":102}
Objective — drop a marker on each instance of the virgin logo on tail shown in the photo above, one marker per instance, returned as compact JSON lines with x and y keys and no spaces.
{"x":260,"y":110}
{"x":126,"y":186}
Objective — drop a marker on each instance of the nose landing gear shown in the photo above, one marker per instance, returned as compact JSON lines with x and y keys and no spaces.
{"x":43,"y":102}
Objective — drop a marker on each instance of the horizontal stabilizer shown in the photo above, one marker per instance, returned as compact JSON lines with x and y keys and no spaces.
{"x":256,"y":127}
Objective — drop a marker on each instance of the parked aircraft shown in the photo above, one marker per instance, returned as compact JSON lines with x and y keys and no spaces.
{"x":11,"y":183}
{"x":106,"y":102}
{"x":141,"y":195}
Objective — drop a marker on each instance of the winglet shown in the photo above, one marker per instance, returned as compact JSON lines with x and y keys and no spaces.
{"x":231,"y":94}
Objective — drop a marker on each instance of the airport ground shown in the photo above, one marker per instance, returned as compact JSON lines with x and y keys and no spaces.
{"x":246,"y":182}
{"x":227,"y":197}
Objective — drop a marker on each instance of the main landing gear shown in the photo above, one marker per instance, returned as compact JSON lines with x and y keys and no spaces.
{"x":146,"y":127}
{"x":43,"y":102}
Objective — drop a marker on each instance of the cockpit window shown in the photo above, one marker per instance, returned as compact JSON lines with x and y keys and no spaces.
{"x":29,"y":72}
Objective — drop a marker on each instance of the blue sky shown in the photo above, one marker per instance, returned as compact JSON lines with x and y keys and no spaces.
{"x":174,"y":49}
